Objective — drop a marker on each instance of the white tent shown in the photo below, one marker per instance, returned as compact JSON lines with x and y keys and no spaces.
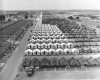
{"x":63,"y":45}
{"x":37,"y":45}
{"x":36,"y":52}
{"x":59,"y":51}
{"x":49,"y":40}
{"x":30,"y":45}
{"x":54,"y":40}
{"x":38,"y":40}
{"x":44,"y":52}
{"x":28,"y":52}
{"x":74,"y":51}
{"x":57,"y":45}
{"x":70,"y":45}
{"x":32,"y":41}
{"x":95,"y":49}
{"x":50,"y":45}
{"x":33,"y":36}
{"x":67,"y":51}
{"x":43,"y":40}
{"x":52,"y":52}
{"x":60,"y":40}
{"x":62,"y":36}
{"x":44,"y":45}
{"x":66,"y":40}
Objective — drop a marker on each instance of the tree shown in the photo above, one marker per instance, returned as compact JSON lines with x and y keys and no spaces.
{"x":26,"y":16}
{"x":70,"y":17}
{"x":2,"y":17}
{"x":77,"y":17}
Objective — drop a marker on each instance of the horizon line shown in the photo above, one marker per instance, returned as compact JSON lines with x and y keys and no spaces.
{"x":53,"y":9}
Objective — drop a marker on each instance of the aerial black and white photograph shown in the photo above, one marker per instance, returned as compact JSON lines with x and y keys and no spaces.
{"x":49,"y":39}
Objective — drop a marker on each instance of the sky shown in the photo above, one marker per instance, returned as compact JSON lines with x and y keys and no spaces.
{"x":49,"y":4}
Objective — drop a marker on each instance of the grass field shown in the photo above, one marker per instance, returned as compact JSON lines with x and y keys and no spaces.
{"x":91,"y":24}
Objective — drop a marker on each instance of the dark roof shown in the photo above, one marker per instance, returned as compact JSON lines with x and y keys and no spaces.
{"x":35,"y":62}
{"x":63,"y":61}
{"x":54,"y":61}
{"x":92,"y":61}
{"x":71,"y":59}
{"x":26,"y":62}
{"x":44,"y":61}
{"x":80,"y":59}
{"x":84,"y":62}
{"x":98,"y":59}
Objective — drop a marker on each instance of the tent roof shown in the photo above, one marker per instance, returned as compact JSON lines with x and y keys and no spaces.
{"x":26,"y":62}
{"x":71,"y":59}
{"x":36,"y":50}
{"x":74,"y":49}
{"x":80,"y":59}
{"x":35,"y":62}
{"x":74,"y":62}
{"x":98,"y":59}
{"x":69,"y":43}
{"x":44,"y":50}
{"x":30,"y":44}
{"x":51,"y":50}
{"x":28,"y":50}
{"x":67,"y":49}
{"x":83,"y":61}
{"x":59,"y":50}
{"x":92,"y":61}
{"x":63,"y":43}
{"x":63,"y":61}
{"x":54,"y":61}
{"x":44,"y":61}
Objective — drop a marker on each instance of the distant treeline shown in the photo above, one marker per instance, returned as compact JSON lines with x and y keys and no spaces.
{"x":91,"y":16}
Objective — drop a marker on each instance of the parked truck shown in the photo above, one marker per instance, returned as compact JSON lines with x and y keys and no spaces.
{"x":30,"y":71}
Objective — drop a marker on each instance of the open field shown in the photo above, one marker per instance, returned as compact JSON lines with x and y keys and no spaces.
{"x":62,"y":75}
{"x":91,"y":24}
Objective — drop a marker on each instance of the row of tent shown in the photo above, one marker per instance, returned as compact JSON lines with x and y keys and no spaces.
{"x":73,"y":31}
{"x":64,"y":41}
{"x":47,"y":29}
{"x":49,"y":41}
{"x":69,"y":26}
{"x":48,"y":36}
{"x":66,"y":51}
{"x":63,"y":62}
{"x":51,"y":51}
{"x":50,"y":45}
